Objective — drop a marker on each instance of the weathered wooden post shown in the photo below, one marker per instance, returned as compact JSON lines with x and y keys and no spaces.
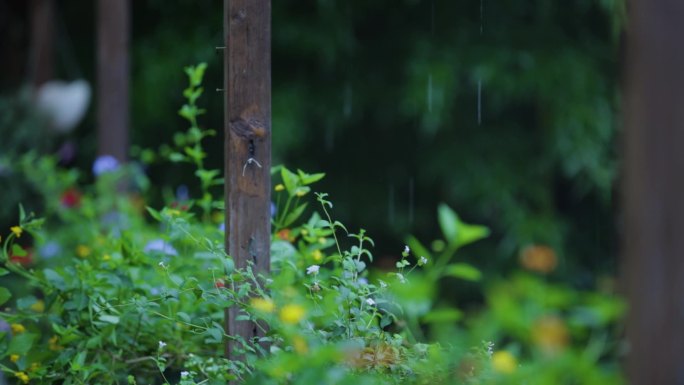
{"x":654,"y":192}
{"x":247,"y":128}
{"x":42,"y":61}
{"x":112,"y":78}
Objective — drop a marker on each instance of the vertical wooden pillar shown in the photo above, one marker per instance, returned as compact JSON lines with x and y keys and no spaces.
{"x":113,"y":27}
{"x":247,"y":127}
{"x":42,"y":46}
{"x":654,"y":193}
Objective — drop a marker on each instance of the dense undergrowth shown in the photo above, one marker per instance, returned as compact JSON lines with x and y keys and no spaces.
{"x":102,"y":289}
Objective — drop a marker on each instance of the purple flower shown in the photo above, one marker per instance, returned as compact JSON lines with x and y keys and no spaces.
{"x":160,"y":245}
{"x":104,"y":164}
{"x":222,"y":227}
{"x":50,"y":249}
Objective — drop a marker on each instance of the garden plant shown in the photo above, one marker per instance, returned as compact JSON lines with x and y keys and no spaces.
{"x":99,"y":287}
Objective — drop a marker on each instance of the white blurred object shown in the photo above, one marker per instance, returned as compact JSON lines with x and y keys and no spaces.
{"x":64,"y":103}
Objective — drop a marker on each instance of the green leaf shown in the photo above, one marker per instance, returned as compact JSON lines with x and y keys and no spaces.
{"x":154,"y":213}
{"x":290,"y":180}
{"x":21,"y":343}
{"x":448,"y":222}
{"x":310,"y":178}
{"x":54,"y":279}
{"x":18,"y":251}
{"x":457,"y":233}
{"x":463,"y":271}
{"x":5,"y":295}
{"x":294,"y":214}
{"x":3,"y":271}
{"x":112,"y":319}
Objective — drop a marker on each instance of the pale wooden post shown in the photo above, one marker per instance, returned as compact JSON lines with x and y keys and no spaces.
{"x":113,"y":31}
{"x":654,"y":193}
{"x":247,"y":128}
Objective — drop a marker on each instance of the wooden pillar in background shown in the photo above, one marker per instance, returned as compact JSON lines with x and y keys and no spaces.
{"x":113,"y":31}
{"x":42,"y":45}
{"x":654,"y":192}
{"x":247,"y":127}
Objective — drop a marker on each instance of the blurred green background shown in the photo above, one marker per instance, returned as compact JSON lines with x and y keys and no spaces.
{"x":506,"y":111}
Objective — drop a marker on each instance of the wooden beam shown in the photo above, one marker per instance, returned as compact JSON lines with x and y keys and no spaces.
{"x":247,"y":128}
{"x":113,"y":25}
{"x":654,"y":193}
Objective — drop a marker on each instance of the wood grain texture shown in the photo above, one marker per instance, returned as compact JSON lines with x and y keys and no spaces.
{"x":654,"y":193}
{"x":247,"y":127}
{"x":113,"y":35}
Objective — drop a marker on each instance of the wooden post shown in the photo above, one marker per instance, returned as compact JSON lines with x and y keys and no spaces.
{"x":42,"y":60}
{"x":112,"y":78}
{"x":247,"y":127}
{"x":654,"y":193}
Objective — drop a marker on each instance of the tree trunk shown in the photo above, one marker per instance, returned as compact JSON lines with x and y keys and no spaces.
{"x":654,"y":193}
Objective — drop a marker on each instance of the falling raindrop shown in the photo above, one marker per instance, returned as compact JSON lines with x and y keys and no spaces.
{"x":481,"y":13}
{"x":429,"y":93}
{"x":348,"y":95}
{"x":411,"y":200}
{"x":479,"y":102}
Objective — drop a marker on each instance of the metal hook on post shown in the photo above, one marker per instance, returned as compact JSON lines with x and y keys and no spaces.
{"x":249,"y":162}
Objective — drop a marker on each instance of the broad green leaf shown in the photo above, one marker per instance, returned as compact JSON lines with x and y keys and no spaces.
{"x":5,"y":295}
{"x":448,"y":222}
{"x":294,"y":214}
{"x":463,"y":271}
{"x":289,"y":180}
{"x":310,"y":178}
{"x":21,"y":343}
{"x":3,"y":271}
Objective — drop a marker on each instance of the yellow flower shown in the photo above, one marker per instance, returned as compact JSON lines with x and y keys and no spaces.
{"x":300,"y":192}
{"x":279,"y":187}
{"x":106,"y":257}
{"x":263,"y":304}
{"x":16,"y":230}
{"x":299,"y":344}
{"x":23,"y":377}
{"x":82,"y":251}
{"x":34,"y":366}
{"x":322,"y":240}
{"x":14,"y":357}
{"x":292,"y":314}
{"x":317,"y":255}
{"x":504,"y":362}
{"x":18,"y":328}
{"x":53,"y":344}
{"x":38,"y":306}
{"x":550,"y":334}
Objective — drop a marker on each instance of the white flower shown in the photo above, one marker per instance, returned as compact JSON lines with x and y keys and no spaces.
{"x":370,"y":301}
{"x":406,"y":250}
{"x":383,"y":284}
{"x":162,"y":265}
{"x":422,"y":261}
{"x":401,"y":278}
{"x":313,"y":269}
{"x":184,"y":374}
{"x":162,"y":344}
